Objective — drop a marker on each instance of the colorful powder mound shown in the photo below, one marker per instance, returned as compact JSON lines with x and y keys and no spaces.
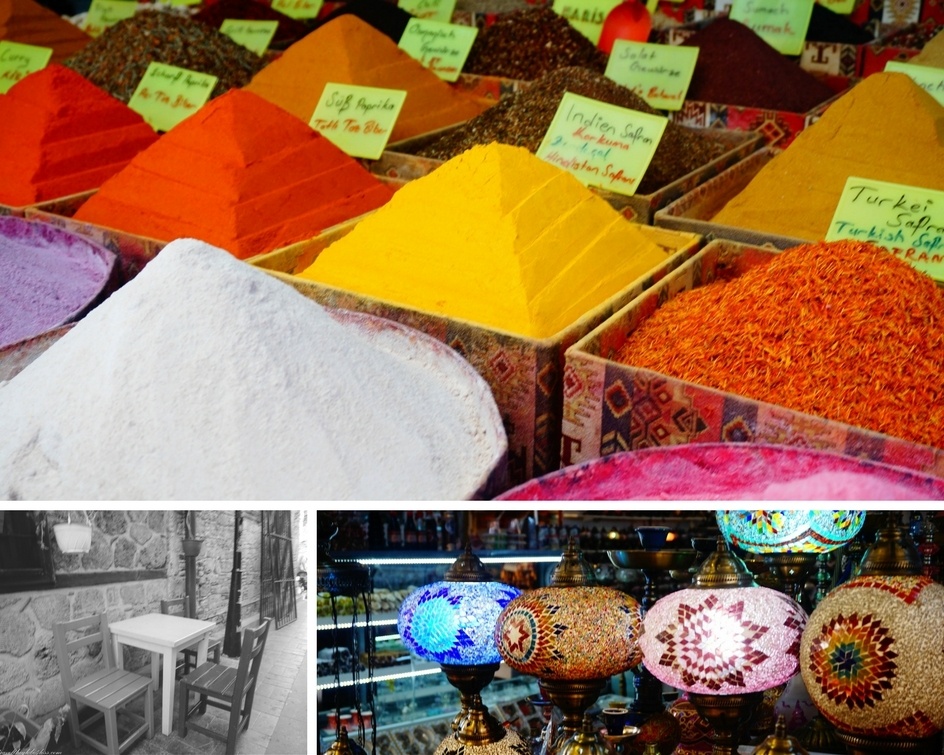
{"x":30,"y":23}
{"x":60,"y":135}
{"x":241,"y":174}
{"x":498,"y":237}
{"x":349,"y":51}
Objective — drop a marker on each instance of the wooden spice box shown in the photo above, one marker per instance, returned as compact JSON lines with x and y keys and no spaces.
{"x":525,"y":375}
{"x":611,"y":407}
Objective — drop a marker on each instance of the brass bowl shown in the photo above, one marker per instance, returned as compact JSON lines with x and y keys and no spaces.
{"x":658,"y":560}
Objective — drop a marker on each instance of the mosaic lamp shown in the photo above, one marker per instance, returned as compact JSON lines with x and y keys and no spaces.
{"x":724,"y":641}
{"x":872,"y":656}
{"x":573,"y":635}
{"x":452,"y":623}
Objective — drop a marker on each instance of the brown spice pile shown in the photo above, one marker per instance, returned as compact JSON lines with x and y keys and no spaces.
{"x":842,"y":330}
{"x":522,"y":120}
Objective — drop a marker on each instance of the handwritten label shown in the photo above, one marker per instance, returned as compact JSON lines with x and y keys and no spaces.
{"x":660,"y":74}
{"x":104,"y":13}
{"x":253,"y":35}
{"x":358,"y":120}
{"x":839,"y":6}
{"x":930,"y":79}
{"x":442,"y":48}
{"x":601,"y":144}
{"x":780,"y":23}
{"x":298,"y":8}
{"x":18,"y":60}
{"x":432,"y":10}
{"x":167,"y":94}
{"x":906,"y":220}
{"x":586,"y":16}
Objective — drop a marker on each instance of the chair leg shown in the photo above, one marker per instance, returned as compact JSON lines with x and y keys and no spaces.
{"x":183,"y":693}
{"x":111,"y":732}
{"x":234,"y":727}
{"x":74,"y":718}
{"x":203,"y":704}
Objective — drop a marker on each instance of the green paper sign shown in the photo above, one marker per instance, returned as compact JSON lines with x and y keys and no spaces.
{"x":839,"y":6}
{"x":906,"y":220}
{"x":660,"y":74}
{"x":253,"y":35}
{"x":298,"y":8}
{"x":601,"y":144}
{"x":930,"y":79}
{"x":442,"y":48}
{"x":167,"y":94}
{"x":18,"y":60}
{"x":104,"y":13}
{"x":586,"y":16}
{"x":357,"y":119}
{"x":433,"y":10}
{"x":780,"y":23}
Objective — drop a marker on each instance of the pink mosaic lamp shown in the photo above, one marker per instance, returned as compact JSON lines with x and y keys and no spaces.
{"x":724,"y":641}
{"x":872,"y":656}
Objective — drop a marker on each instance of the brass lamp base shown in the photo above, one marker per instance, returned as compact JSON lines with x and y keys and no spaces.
{"x":792,"y":570}
{"x":473,"y":725}
{"x":859,"y":744}
{"x":729,"y":717}
{"x":572,"y":697}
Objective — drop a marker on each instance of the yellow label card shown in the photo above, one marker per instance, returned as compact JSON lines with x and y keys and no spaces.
{"x":586,"y":16}
{"x":167,"y":94}
{"x":660,"y":74}
{"x":906,"y":220}
{"x":930,"y":79}
{"x":839,"y":6}
{"x":298,"y":8}
{"x":601,"y":144}
{"x":18,"y":60}
{"x":253,"y":35}
{"x":442,"y":48}
{"x":104,"y":13}
{"x":780,"y":23}
{"x":358,"y":119}
{"x":433,"y":10}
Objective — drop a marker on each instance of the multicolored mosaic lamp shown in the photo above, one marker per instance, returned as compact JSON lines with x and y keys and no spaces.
{"x":572,"y":635}
{"x":872,"y":656}
{"x":724,"y":641}
{"x":452,"y":622}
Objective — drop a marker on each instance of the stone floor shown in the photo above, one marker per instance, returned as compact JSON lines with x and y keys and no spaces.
{"x":279,"y":721}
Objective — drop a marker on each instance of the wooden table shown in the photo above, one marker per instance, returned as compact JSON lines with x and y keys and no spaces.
{"x":165,"y":635}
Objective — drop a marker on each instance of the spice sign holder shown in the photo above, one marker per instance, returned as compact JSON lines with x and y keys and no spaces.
{"x":611,"y":407}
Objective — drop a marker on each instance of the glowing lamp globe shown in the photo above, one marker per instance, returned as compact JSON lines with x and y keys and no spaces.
{"x":793,"y":531}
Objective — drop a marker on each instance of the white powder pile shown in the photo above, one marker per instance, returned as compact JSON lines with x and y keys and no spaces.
{"x":205,"y":378}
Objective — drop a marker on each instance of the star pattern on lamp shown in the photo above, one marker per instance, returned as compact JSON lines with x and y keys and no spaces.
{"x":518,"y":635}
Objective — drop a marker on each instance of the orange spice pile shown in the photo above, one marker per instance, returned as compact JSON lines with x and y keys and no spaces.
{"x":842,"y":330}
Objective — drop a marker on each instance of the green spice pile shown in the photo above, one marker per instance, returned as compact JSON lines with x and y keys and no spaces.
{"x":117,"y":59}
{"x":842,"y":330}
{"x":526,"y":44}
{"x":522,"y":120}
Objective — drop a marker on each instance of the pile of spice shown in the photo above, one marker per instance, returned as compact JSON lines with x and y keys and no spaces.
{"x":118,"y":58}
{"x":886,"y":128}
{"x":384,"y":16}
{"x":737,"y":67}
{"x":47,"y":277}
{"x":527,"y":44}
{"x":288,"y":31}
{"x":241,"y":174}
{"x":205,"y":378}
{"x":933,"y":53}
{"x":60,"y":135}
{"x":842,"y":330}
{"x":498,"y":237}
{"x":828,"y":26}
{"x":29,"y":23}
{"x":350,"y":51}
{"x":523,"y":119}
{"x":492,"y":6}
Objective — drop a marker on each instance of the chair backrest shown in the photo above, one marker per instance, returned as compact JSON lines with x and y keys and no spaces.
{"x":98,"y":626}
{"x":250,"y":657}
{"x":176,"y":607}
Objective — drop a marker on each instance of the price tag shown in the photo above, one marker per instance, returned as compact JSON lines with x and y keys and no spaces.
{"x":601,"y":144}
{"x":586,"y":16}
{"x":18,"y":60}
{"x":660,"y":74}
{"x":780,"y":23}
{"x":253,"y":35}
{"x":906,"y":220}
{"x":442,"y":48}
{"x":839,"y":6}
{"x":298,"y":8}
{"x":930,"y":79}
{"x":167,"y":94}
{"x":359,"y":120}
{"x":104,"y":13}
{"x":433,"y":10}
